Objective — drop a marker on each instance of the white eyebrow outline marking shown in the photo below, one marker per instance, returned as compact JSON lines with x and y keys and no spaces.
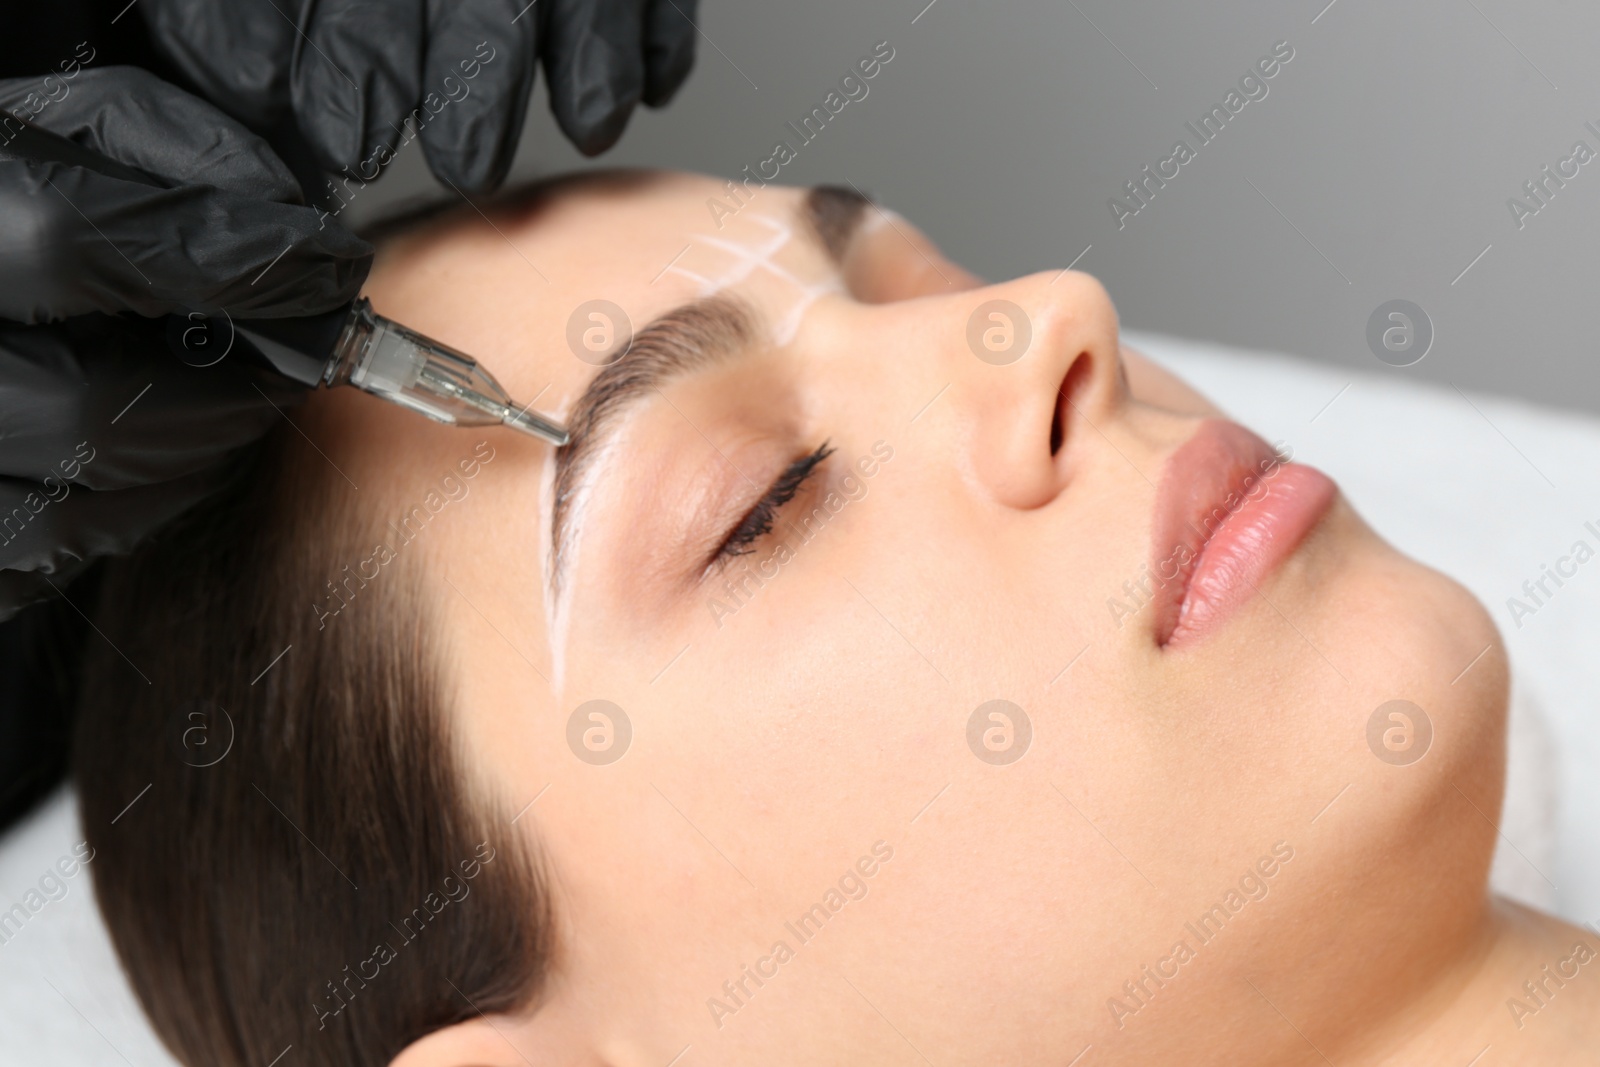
{"x":747,"y":259}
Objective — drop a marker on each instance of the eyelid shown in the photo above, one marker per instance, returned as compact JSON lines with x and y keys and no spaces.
{"x":785,"y":488}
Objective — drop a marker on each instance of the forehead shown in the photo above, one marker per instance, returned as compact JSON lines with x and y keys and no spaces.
{"x":541,"y":293}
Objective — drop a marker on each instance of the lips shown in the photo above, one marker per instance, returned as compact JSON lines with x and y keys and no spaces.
{"x":1228,"y":511}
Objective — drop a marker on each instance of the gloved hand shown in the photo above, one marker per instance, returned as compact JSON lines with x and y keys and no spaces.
{"x":350,"y":72}
{"x":104,"y":432}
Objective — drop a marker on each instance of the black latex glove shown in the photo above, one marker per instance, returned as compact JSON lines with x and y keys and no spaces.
{"x":91,"y":460}
{"x":350,"y":72}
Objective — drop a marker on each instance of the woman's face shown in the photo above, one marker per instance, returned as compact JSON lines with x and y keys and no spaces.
{"x":801,"y":658}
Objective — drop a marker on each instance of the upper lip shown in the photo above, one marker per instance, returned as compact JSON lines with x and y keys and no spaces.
{"x":1205,"y":481}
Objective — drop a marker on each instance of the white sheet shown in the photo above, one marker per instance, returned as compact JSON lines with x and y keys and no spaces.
{"x":1458,"y":482}
{"x":63,"y":997}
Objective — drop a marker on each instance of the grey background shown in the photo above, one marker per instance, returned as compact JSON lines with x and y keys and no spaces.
{"x":1378,"y":166}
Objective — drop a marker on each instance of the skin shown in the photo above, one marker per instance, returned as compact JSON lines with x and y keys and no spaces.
{"x":774,"y":746}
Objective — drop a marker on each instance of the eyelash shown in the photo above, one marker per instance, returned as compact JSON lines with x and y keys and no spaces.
{"x":757,"y":522}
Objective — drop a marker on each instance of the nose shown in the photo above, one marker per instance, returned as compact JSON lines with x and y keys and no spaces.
{"x":1038,"y":371}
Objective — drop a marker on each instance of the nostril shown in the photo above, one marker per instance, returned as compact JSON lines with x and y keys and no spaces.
{"x":1066,"y":399}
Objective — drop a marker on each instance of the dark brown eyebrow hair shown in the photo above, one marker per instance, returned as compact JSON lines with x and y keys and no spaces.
{"x":684,"y":339}
{"x":834,"y":214}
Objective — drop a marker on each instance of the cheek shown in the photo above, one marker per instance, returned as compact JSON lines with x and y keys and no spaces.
{"x":1154,"y":385}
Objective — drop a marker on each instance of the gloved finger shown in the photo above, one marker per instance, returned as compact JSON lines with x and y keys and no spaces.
{"x":47,"y":538}
{"x":136,"y":118}
{"x":594,"y":65}
{"x":237,"y":53}
{"x":73,"y":241}
{"x":669,"y":40}
{"x":481,"y":64}
{"x":105,"y":403}
{"x":356,"y":75}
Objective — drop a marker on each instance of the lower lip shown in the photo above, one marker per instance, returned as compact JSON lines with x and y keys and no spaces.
{"x":1248,"y":546}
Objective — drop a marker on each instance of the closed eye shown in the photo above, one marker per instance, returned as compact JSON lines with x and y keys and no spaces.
{"x":758,"y":521}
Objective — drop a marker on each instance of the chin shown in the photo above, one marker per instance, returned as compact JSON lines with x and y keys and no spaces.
{"x":1447,"y":647}
{"x":1468,"y":681}
{"x":1409,"y":632}
{"x":1394,"y":627}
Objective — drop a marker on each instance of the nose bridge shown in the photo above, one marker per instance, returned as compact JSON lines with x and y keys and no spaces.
{"x":1037,"y":363}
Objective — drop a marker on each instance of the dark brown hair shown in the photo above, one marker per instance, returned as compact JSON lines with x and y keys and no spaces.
{"x":288,"y":849}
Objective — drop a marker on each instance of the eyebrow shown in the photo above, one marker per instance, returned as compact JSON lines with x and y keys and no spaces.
{"x":682,"y":340}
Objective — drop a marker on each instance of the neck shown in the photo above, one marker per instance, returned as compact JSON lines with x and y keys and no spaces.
{"x":1525,"y":985}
